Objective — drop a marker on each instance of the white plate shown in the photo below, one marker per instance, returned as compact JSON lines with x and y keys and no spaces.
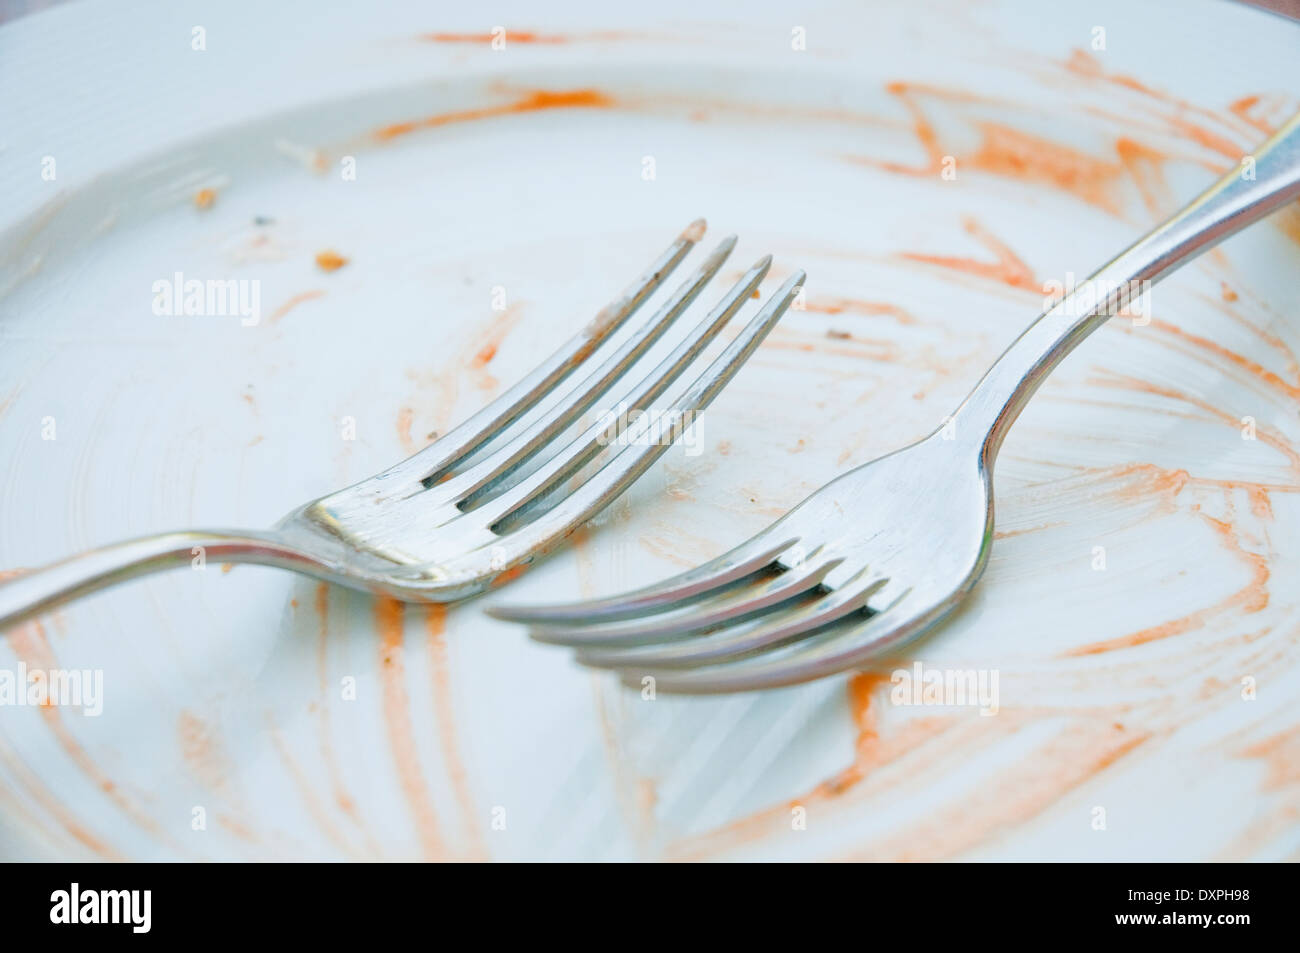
{"x":1120,"y":691}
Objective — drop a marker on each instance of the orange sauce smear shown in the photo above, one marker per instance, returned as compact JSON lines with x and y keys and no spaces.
{"x":536,"y":101}
{"x":1007,"y":267}
{"x":329,"y":260}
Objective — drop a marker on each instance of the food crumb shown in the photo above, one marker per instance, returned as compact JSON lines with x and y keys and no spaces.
{"x":204,"y":198}
{"x":330,"y":261}
{"x":836,"y":335}
{"x":1228,"y":293}
{"x":226,"y":567}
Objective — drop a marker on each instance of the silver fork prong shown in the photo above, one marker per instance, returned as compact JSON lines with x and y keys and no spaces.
{"x":514,"y":507}
{"x":632,"y":461}
{"x":730,"y":607}
{"x":726,"y":570}
{"x":774,"y":630}
{"x":487,"y":476}
{"x":855,"y":644}
{"x":463,"y":439}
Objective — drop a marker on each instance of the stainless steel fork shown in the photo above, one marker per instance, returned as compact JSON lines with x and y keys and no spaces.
{"x":882,"y":554}
{"x":494,"y":493}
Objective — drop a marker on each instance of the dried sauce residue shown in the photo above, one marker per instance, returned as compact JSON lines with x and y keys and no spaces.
{"x":881,"y":350}
{"x":1263,"y":434}
{"x":1007,"y":267}
{"x":862,"y":709}
{"x":529,"y":37}
{"x":536,"y":101}
{"x":293,"y":302}
{"x":1004,"y":151}
{"x":484,"y":348}
{"x":858,"y":306}
{"x":509,"y":36}
{"x":342,"y":796}
{"x":1281,"y":755}
{"x":1008,"y":152}
{"x":1207,"y":138}
{"x":330,"y":260}
{"x":1085,"y":65}
{"x":1288,"y":220}
{"x":1251,"y":368}
{"x":1273,"y":820}
{"x":1227,"y":141}
{"x":405,"y":416}
{"x":445,"y":712}
{"x":474,"y":357}
{"x":871,"y":753}
{"x":208,"y":760}
{"x":1017,"y":155}
{"x":1065,"y":762}
{"x":307,"y":792}
{"x":31,"y":644}
{"x":390,"y":618}
{"x":1244,"y":109}
{"x":1253,"y":597}
{"x":1145,"y":167}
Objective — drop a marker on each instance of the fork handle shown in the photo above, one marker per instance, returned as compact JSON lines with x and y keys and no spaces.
{"x":31,"y":593}
{"x":1223,"y":209}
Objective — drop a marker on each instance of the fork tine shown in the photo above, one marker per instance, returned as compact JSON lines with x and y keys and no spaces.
{"x":468,"y":436}
{"x":840,"y":652}
{"x":486,"y":476}
{"x":629,"y":462}
{"x":511,"y":505}
{"x":773,"y":630}
{"x":745,"y":560}
{"x":731,"y":606}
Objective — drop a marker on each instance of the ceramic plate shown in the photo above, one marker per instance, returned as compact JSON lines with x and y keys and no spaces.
{"x":931,"y":166}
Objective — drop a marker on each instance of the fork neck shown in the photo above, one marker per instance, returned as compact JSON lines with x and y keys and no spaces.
{"x":1260,"y":184}
{"x":39,"y":590}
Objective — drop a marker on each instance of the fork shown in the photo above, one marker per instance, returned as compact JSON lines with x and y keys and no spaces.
{"x":500,"y":489}
{"x":883,"y":553}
